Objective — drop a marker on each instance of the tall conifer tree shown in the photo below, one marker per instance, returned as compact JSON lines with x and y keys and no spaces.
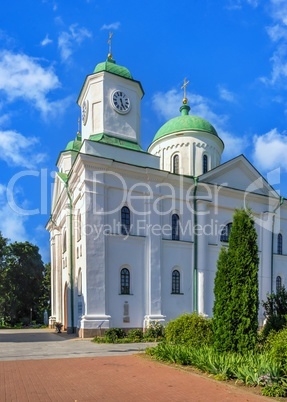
{"x":236,"y":288}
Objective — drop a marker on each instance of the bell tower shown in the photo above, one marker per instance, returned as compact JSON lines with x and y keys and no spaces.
{"x":110,"y":102}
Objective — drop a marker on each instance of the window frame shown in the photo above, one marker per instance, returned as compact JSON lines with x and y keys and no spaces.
{"x":204,"y":163}
{"x":175,"y":282}
{"x":225,"y":233}
{"x":280,"y":244}
{"x":175,"y":227}
{"x":64,"y":240}
{"x":79,"y":226}
{"x":175,"y":164}
{"x":278,"y":283}
{"x":125,"y":281}
{"x":125,"y":220}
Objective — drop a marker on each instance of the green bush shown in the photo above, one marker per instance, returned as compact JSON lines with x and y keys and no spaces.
{"x":154,"y":332}
{"x":113,"y":334}
{"x":189,"y":329}
{"x":275,"y":391}
{"x":251,"y":369}
{"x":276,"y":345}
{"x":135,"y":335}
{"x":275,"y":312}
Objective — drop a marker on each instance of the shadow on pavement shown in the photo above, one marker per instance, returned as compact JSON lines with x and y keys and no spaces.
{"x":21,"y":337}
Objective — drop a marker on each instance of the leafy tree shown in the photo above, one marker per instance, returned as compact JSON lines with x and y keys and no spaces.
{"x":236,"y":301}
{"x":45,"y":298}
{"x":3,"y":254}
{"x":221,"y":324}
{"x":22,"y":276}
{"x":275,"y":311}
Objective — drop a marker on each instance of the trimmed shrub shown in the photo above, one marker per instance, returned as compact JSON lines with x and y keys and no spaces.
{"x":135,"y":335}
{"x":154,"y":332}
{"x":189,"y":329}
{"x":113,"y":334}
{"x":276,"y":345}
{"x":275,"y":312}
{"x":236,"y":303}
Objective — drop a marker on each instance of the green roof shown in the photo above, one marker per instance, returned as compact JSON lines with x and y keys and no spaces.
{"x":63,"y":176}
{"x":75,"y":145}
{"x":111,"y":66}
{"x":185,"y":122}
{"x":118,"y":142}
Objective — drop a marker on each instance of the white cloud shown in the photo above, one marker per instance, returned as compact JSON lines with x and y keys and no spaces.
{"x":279,"y":10}
{"x":67,"y":41}
{"x":113,"y":26}
{"x":270,"y":150}
{"x":237,"y":4}
{"x":279,"y":67}
{"x":167,"y":106}
{"x":253,"y":3}
{"x":22,"y":77}
{"x":17,"y":150}
{"x":278,"y":34}
{"x":226,"y":95}
{"x":46,"y":41}
{"x":12,"y":225}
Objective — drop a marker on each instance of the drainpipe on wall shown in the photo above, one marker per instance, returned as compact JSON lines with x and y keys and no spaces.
{"x":281,"y":200}
{"x":195,"y":301}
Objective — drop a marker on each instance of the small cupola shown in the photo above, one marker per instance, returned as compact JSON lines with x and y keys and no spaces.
{"x":187,"y":144}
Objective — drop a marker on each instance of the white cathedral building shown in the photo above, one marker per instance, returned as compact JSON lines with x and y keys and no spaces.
{"x":135,"y":235}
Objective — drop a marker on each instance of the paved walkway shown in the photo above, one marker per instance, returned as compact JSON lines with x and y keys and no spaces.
{"x":125,"y":378}
{"x":33,"y":344}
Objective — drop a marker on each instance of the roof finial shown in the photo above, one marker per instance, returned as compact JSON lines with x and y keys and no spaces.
{"x":110,"y":56}
{"x":185,"y":83}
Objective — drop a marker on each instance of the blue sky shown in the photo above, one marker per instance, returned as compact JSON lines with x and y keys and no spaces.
{"x":233,"y":52}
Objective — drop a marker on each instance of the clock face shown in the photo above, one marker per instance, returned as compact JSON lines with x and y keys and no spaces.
{"x":121,"y":102}
{"x":85,"y":110}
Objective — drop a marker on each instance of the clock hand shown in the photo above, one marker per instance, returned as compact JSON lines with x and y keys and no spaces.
{"x":121,"y":102}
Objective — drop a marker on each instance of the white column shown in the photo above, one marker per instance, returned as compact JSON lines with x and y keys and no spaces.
{"x":153,"y":265}
{"x":266,"y":254}
{"x":52,"y":318}
{"x":95,"y":317}
{"x":59,"y":285}
{"x":202,"y":250}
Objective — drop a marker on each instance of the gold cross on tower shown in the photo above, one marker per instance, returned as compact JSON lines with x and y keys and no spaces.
{"x":185,"y":83}
{"x":110,"y":56}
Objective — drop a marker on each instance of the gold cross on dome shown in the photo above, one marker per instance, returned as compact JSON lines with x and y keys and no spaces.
{"x":110,"y":45}
{"x":185,"y":83}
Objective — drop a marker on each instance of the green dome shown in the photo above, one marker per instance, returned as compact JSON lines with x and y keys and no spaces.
{"x":185,"y":122}
{"x":74,"y":145}
{"x":111,"y":66}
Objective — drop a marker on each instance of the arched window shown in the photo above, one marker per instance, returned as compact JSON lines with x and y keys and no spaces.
{"x":279,"y":243}
{"x":79,"y":226}
{"x":125,"y":281}
{"x":204,"y":164}
{"x":175,"y":164}
{"x":225,"y":232}
{"x":175,"y":285}
{"x":125,"y":220}
{"x":278,"y":284}
{"x":64,"y":241}
{"x":80,"y":282}
{"x":175,"y":227}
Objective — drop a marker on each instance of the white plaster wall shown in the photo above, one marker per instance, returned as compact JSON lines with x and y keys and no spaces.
{"x":190,"y":146}
{"x":129,"y":253}
{"x":101,"y":115}
{"x":176,"y":255}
